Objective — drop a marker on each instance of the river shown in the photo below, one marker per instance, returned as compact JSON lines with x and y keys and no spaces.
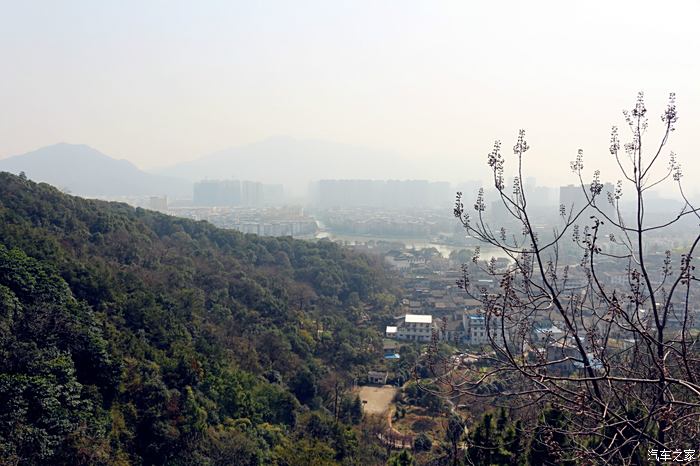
{"x":487,"y":251}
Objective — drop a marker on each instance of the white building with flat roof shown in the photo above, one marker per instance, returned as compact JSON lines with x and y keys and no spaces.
{"x":414,"y":327}
{"x":476,"y":331}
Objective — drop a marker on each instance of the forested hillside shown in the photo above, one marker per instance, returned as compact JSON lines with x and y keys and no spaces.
{"x":131,"y":337}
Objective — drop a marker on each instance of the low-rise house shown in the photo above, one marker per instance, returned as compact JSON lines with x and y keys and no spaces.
{"x":544,"y":335}
{"x":563,"y":357}
{"x":471,"y":304}
{"x":377,"y":378}
{"x":475,"y":331}
{"x":392,"y":355}
{"x":452,"y":330}
{"x":441,"y":306}
{"x":415,"y":327}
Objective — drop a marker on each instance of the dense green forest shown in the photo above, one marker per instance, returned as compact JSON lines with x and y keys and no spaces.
{"x":129,"y":337}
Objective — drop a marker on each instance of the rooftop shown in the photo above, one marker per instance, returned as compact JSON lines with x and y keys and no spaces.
{"x":551,"y":329}
{"x":419,"y":319}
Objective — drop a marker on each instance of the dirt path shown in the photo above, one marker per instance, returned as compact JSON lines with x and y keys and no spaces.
{"x":379,"y":400}
{"x":395,"y":438}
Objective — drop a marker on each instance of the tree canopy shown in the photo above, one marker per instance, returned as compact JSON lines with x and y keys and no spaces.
{"x":131,"y":337}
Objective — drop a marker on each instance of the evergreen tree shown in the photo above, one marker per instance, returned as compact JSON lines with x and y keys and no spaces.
{"x":356,"y":410}
{"x":483,"y":448}
{"x":132,"y":337}
{"x":422,"y":442}
{"x":550,"y":445}
{"x":403,"y":458}
{"x":454,"y":435}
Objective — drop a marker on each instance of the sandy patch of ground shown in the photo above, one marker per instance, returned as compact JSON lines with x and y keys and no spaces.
{"x":378,"y":399}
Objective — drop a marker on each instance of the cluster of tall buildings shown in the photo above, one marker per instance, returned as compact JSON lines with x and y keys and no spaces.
{"x":230,"y":193}
{"x":573,"y":197}
{"x":423,"y":193}
{"x":386,"y":194}
{"x":382,"y":193}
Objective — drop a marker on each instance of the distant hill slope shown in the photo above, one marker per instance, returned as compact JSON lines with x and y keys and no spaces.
{"x":83,"y":170}
{"x":294,"y":163}
{"x":129,"y":337}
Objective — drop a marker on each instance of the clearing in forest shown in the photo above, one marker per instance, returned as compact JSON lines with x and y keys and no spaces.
{"x":376,"y":400}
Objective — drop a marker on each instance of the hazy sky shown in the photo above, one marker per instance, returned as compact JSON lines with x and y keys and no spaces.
{"x":158,"y":82}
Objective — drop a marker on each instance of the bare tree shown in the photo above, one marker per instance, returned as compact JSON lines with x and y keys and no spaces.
{"x":605,"y":336}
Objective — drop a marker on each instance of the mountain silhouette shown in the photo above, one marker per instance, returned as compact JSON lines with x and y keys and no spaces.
{"x":86,"y":171}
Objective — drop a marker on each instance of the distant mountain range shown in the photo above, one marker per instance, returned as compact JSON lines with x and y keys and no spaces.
{"x":294,"y":163}
{"x":83,"y":170}
{"x":291,"y":162}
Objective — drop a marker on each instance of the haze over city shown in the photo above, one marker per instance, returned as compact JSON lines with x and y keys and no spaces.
{"x":429,"y":85}
{"x":339,"y":233}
